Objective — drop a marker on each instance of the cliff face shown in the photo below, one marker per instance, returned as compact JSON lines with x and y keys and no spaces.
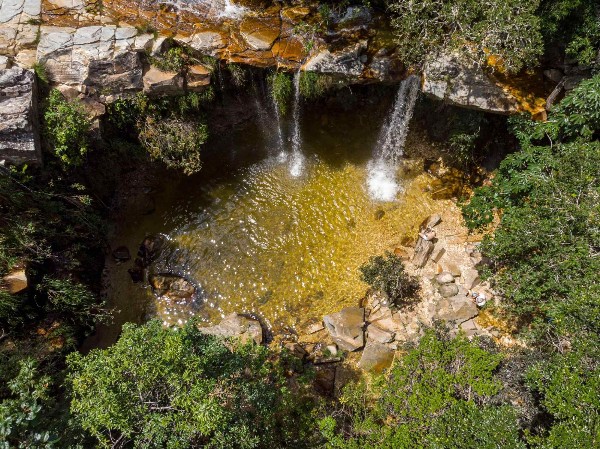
{"x":99,"y":50}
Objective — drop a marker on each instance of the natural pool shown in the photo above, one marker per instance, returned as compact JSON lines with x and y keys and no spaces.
{"x":255,"y":239}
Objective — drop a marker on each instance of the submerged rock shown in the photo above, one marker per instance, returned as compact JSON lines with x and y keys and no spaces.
{"x":172,"y":286}
{"x":121,"y":253}
{"x":346,"y":327}
{"x":239,"y":326}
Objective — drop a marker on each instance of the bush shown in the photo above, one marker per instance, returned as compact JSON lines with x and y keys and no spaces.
{"x":438,"y":395}
{"x":175,"y":142}
{"x":281,"y":90}
{"x":314,"y":85}
{"x":159,"y":387}
{"x":546,"y":244}
{"x":66,"y":126}
{"x":505,"y":28}
{"x":175,"y":59}
{"x":387,"y":275}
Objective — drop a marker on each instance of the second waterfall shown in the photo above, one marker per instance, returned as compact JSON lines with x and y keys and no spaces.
{"x":381,"y":181}
{"x":297,"y":159}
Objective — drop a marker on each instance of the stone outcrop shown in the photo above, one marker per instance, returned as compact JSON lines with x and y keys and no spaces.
{"x":376,"y":357}
{"x":346,"y":328}
{"x":237,"y":326}
{"x":19,"y":136}
{"x":160,"y":83}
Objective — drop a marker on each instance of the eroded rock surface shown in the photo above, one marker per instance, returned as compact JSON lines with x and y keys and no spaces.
{"x":19,"y":137}
{"x":346,"y":327}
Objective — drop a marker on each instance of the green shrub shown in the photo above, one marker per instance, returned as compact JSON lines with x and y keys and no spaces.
{"x":281,"y":89}
{"x":159,"y":387}
{"x":387,"y":275}
{"x":438,"y":395}
{"x":175,"y":59}
{"x":66,"y":126}
{"x":175,"y":142}
{"x":314,"y":85}
{"x":507,"y":28}
{"x":544,"y":248}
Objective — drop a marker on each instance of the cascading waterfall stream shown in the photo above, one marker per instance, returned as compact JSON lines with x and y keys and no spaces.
{"x":297,"y":159}
{"x":381,"y":181}
{"x":280,"y":144}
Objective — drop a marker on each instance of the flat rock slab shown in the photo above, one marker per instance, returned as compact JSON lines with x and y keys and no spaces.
{"x":376,"y":357}
{"x":457,"y":309}
{"x":346,"y":328}
{"x":236,"y":326}
{"x":260,"y":33}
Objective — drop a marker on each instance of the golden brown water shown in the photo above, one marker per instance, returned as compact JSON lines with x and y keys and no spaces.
{"x":255,"y":239}
{"x":288,"y":249}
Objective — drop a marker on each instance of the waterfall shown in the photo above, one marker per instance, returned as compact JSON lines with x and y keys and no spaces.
{"x":381,"y":178}
{"x":280,"y":145}
{"x":297,"y":159}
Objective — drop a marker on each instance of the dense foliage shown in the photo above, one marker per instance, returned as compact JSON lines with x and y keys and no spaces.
{"x":66,"y":126}
{"x":509,"y":29}
{"x":545,"y":248}
{"x":440,"y":394}
{"x":172,"y":130}
{"x":281,"y":90}
{"x":160,"y":387}
{"x":386,"y":274}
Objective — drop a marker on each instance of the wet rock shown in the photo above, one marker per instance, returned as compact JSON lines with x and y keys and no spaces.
{"x":157,"y":82}
{"x":150,"y":249}
{"x":448,"y":290}
{"x":376,"y":333}
{"x":19,"y":133}
{"x":137,"y":271}
{"x":376,"y":357}
{"x":295,"y":13}
{"x":423,"y":251}
{"x":121,"y":253}
{"x":346,"y":327}
{"x":445,"y":278}
{"x":15,"y":282}
{"x":237,"y":326}
{"x":172,"y":286}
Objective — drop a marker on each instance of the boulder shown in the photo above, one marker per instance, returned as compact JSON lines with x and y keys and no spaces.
{"x":376,"y":357}
{"x":455,"y":80}
{"x":198,"y":77}
{"x":157,"y":82}
{"x":237,"y":326}
{"x":19,"y":132}
{"x":457,"y":309}
{"x":346,"y":327}
{"x":448,"y":290}
{"x":430,"y":222}
{"x":346,"y":61}
{"x":16,"y":282}
{"x":376,"y":333}
{"x":444,"y":278}
{"x":150,"y":249}
{"x":423,"y":251}
{"x":471,"y":278}
{"x":172,"y":286}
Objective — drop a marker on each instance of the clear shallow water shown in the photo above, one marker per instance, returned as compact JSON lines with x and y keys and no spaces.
{"x":256,"y":239}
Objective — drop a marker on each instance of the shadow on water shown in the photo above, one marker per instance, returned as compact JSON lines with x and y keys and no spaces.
{"x":298,"y":244}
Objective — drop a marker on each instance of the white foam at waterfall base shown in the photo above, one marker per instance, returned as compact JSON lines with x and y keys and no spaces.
{"x":381,"y":180}
{"x":296,"y":164}
{"x":381,"y":170}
